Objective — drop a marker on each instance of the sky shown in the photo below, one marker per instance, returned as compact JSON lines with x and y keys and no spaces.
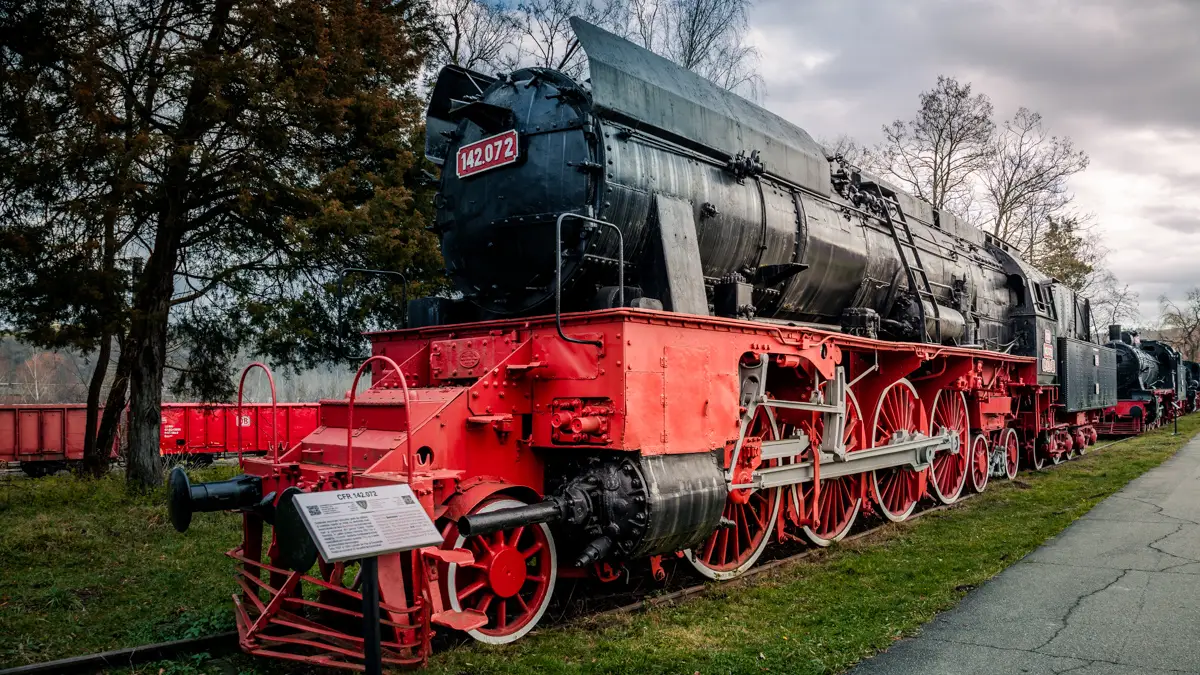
{"x":1120,"y":77}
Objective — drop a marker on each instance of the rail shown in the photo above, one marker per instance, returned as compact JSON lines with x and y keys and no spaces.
{"x":408,"y":455}
{"x":366,"y":270}
{"x":558,"y":255}
{"x":237,"y":423}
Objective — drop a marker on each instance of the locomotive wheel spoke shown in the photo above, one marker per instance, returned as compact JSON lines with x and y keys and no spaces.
{"x":730,"y":551}
{"x":896,"y":489}
{"x":529,"y":552}
{"x":949,"y":471}
{"x":840,"y":498}
{"x":466,"y":592}
{"x":511,"y":581}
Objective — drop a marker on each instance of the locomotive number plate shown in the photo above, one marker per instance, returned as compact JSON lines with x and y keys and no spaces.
{"x":489,"y":153}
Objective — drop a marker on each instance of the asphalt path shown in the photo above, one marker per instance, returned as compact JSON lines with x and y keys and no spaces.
{"x":1116,"y":593}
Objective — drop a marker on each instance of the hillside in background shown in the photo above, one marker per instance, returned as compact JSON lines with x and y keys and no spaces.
{"x":31,"y":375}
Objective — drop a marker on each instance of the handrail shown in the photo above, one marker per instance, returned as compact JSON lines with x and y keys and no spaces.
{"x":365,"y":270}
{"x":558,"y":273}
{"x":237,"y":423}
{"x":350,"y":418}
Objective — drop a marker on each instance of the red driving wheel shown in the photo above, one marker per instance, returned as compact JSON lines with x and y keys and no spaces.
{"x":748,"y":518}
{"x":896,"y":489}
{"x":981,"y":460}
{"x":840,"y":499}
{"x":949,"y":471}
{"x":511,"y":580}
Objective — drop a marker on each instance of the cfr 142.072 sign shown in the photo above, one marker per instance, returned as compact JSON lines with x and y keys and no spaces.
{"x":489,"y":153}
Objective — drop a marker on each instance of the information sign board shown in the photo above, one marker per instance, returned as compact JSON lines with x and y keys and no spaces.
{"x":365,"y":522}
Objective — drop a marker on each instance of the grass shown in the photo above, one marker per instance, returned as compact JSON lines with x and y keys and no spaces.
{"x":93,"y":569}
{"x":88,"y":567}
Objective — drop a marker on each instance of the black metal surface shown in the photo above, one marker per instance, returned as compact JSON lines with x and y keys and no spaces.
{"x":498,"y":226}
{"x":733,"y":297}
{"x":1136,"y":370}
{"x":1170,"y":371}
{"x":454,"y":86}
{"x":297,"y":550}
{"x":505,"y":519}
{"x":638,"y":85}
{"x":1087,"y":374}
{"x":372,"y":639}
{"x":747,"y":192}
{"x":672,"y":269}
{"x":184,"y":499}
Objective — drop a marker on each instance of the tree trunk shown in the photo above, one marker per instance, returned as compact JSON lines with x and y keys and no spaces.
{"x":95,"y":457}
{"x":148,"y":352}
{"x":152,"y":305}
{"x":114,"y":406}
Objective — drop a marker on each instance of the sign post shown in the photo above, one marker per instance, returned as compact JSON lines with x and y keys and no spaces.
{"x":372,"y":642}
{"x":363,"y":524}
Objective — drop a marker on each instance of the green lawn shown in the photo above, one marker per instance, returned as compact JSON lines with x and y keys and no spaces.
{"x":88,"y":568}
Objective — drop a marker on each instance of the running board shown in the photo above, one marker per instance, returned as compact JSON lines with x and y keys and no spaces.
{"x":916,"y":453}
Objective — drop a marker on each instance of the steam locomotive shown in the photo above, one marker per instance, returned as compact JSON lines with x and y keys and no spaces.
{"x":1154,"y":384}
{"x":680,"y":333}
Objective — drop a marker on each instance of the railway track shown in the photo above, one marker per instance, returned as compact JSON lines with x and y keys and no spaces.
{"x":226,"y":642}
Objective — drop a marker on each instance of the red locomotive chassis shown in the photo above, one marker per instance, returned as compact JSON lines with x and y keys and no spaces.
{"x":492,"y":408}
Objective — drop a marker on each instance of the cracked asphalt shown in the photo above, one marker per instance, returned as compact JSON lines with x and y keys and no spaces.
{"x":1116,"y":593}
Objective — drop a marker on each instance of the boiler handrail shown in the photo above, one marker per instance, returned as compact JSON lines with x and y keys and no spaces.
{"x":558,"y":272}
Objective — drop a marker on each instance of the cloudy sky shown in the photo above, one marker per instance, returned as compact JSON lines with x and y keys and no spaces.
{"x":1121,"y":77}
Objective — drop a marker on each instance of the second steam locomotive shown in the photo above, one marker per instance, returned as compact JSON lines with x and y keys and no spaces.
{"x":680,"y":333}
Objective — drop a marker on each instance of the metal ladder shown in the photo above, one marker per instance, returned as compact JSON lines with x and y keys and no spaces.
{"x":918,"y":278}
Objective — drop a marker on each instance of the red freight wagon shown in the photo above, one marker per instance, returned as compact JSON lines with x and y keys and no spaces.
{"x":206,"y":429}
{"x":43,"y":438}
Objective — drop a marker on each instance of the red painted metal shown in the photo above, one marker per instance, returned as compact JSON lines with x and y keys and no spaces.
{"x":468,"y":414}
{"x":198,"y":429}
{"x":980,"y":462}
{"x":837,"y":501}
{"x":749,"y":516}
{"x":948,"y":474}
{"x":34,"y":433}
{"x":898,"y":490}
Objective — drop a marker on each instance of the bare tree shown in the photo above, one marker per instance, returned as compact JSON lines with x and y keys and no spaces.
{"x":1112,"y":303}
{"x":707,"y":37}
{"x":473,"y":34}
{"x":847,"y":148}
{"x":1181,"y":323}
{"x":545,"y":37}
{"x":937,"y":155}
{"x":1025,"y":180}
